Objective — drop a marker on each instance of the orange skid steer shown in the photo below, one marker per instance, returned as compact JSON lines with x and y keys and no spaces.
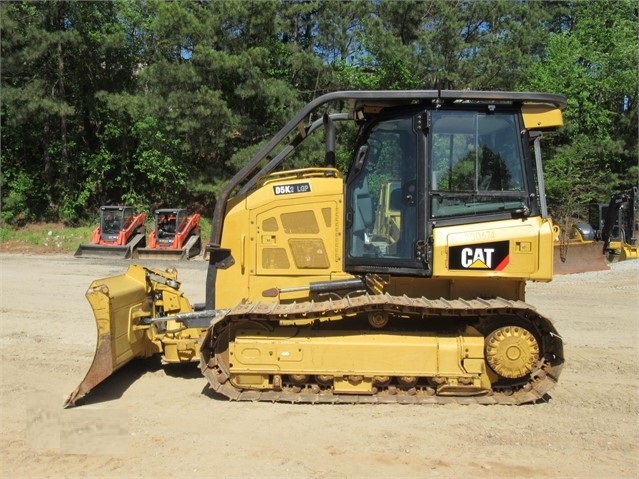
{"x":176,"y":236}
{"x":119,"y":233}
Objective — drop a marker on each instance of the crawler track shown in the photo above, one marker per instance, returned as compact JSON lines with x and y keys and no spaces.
{"x":478,"y":313}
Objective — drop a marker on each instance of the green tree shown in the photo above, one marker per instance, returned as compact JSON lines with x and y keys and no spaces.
{"x":55,"y":56}
{"x":149,"y":101}
{"x":442,"y":44}
{"x":592,"y":59}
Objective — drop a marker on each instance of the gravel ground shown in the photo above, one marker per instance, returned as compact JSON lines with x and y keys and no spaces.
{"x":149,"y":420}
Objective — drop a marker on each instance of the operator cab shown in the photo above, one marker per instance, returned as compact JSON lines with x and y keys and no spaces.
{"x":447,"y":164}
{"x":169,"y":222}
{"x":113,"y":219}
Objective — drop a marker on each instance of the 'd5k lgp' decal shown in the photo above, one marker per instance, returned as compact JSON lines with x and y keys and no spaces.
{"x":491,"y":256}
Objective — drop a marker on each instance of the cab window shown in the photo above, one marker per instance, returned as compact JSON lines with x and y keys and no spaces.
{"x":382,"y":192}
{"x":476,"y":164}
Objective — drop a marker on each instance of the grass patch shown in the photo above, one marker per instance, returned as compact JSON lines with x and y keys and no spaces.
{"x":43,"y":238}
{"x":58,"y":238}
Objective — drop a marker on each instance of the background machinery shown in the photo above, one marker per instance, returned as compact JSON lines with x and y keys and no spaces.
{"x":620,"y":228}
{"x":578,"y":250}
{"x":610,"y":235}
{"x":176,"y":236}
{"x":120,"y":232}
{"x":309,"y":300}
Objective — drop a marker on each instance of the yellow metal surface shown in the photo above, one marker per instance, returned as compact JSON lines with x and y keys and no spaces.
{"x":628,"y":252}
{"x":541,"y":116}
{"x":353,"y":384}
{"x":512,"y":351}
{"x":388,"y":219}
{"x":123,"y":308}
{"x":280,"y":239}
{"x":353,"y":358}
{"x":182,"y":348}
{"x":530,"y":249}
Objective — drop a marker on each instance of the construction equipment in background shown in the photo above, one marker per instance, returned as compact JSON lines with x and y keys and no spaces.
{"x":609,"y":236}
{"x":309,"y":300}
{"x":621,"y":226}
{"x":120,"y":232}
{"x":176,"y":236}
{"x":578,"y":251}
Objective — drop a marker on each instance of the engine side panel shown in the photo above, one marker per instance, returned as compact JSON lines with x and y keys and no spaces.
{"x":285,"y":234}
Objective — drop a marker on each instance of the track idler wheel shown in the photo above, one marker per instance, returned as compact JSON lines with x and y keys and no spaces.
{"x":512,"y":351}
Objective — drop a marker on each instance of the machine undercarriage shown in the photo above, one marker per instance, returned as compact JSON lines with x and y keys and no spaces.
{"x":389,"y":349}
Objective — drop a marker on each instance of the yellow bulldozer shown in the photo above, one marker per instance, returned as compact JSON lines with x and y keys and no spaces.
{"x":620,"y":226}
{"x":610,"y":235}
{"x":309,"y":298}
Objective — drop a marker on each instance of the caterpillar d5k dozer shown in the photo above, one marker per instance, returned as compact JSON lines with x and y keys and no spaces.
{"x":312,"y":297}
{"x":119,"y":233}
{"x":176,"y":236}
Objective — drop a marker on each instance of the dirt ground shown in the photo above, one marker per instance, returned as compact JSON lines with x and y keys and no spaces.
{"x":154,"y":421}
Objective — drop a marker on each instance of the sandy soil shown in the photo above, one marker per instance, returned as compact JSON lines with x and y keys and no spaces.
{"x":154,"y":421}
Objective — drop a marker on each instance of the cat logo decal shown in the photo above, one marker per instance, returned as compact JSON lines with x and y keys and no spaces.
{"x":489,"y":256}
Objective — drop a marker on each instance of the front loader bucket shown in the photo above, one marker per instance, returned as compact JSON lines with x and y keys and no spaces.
{"x":102,"y":251}
{"x":192,"y":248}
{"x":162,"y":254}
{"x":91,"y":250}
{"x":579,"y":258}
{"x":116,"y":302}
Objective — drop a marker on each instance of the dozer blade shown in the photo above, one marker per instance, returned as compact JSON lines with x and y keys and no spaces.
{"x":116,"y":302}
{"x":193,"y":246}
{"x":579,"y":258}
